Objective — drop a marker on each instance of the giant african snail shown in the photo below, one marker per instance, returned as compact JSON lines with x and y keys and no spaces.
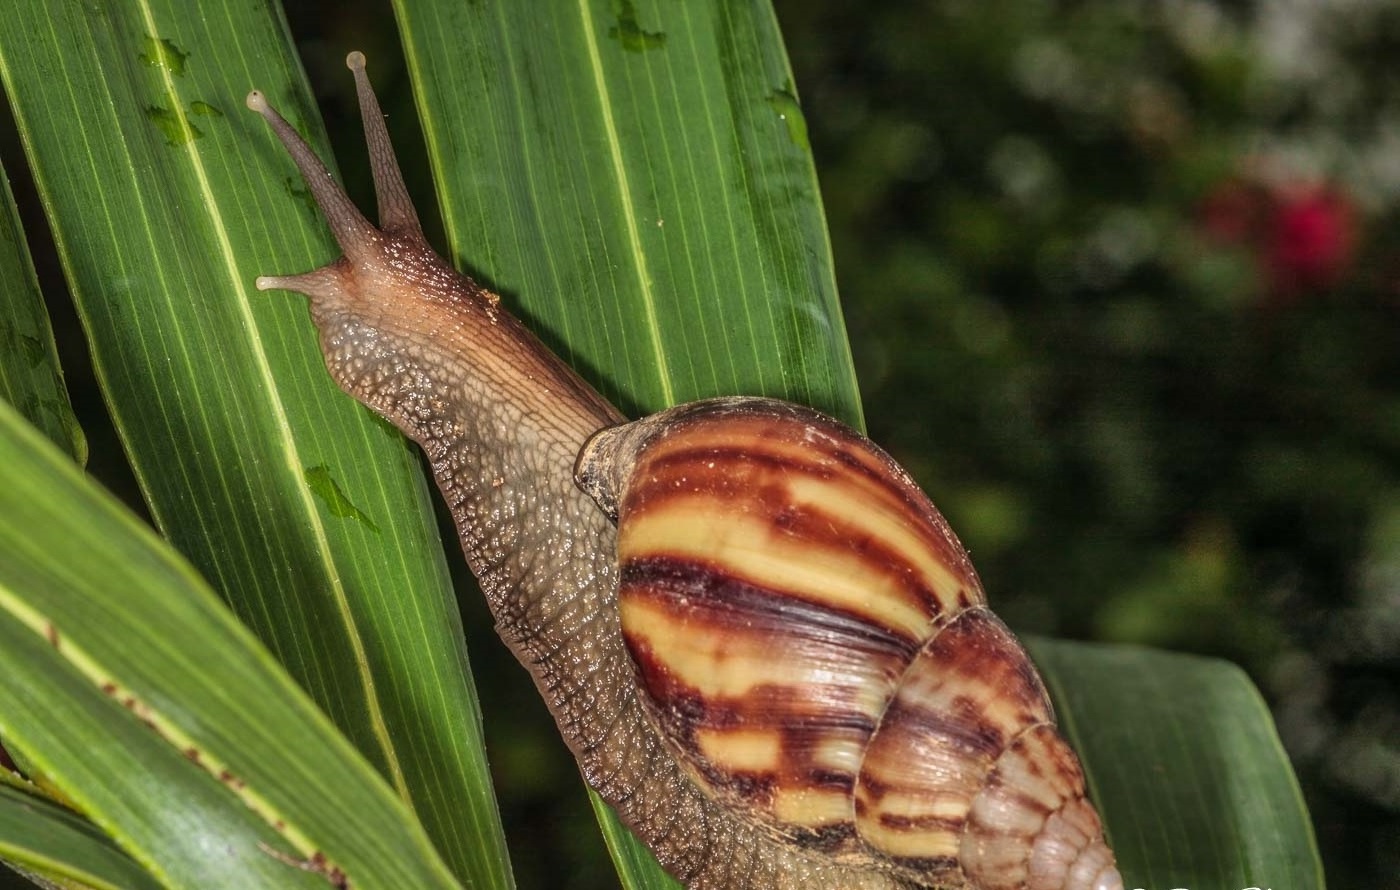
{"x":779,"y":668}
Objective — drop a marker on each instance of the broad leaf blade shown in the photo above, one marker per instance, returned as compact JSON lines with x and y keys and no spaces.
{"x":80,"y":738}
{"x":637,"y":182}
{"x":167,"y":198}
{"x":1185,"y":766}
{"x":131,"y":685}
{"x":46,"y":839}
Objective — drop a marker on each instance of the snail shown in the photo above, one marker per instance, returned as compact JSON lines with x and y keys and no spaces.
{"x":761,"y":641}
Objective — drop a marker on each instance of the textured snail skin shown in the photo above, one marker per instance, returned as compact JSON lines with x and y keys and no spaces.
{"x":502,"y":421}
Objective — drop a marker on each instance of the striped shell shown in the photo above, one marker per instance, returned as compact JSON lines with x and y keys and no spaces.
{"x":816,"y":645}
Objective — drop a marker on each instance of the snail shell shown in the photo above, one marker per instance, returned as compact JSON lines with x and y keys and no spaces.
{"x":816,"y":644}
{"x":779,"y":668}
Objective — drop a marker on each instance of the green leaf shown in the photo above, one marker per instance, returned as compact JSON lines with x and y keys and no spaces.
{"x":46,"y":839}
{"x":166,"y":199}
{"x":30,"y":378}
{"x":647,"y":206}
{"x":1185,"y":767}
{"x":635,"y":864}
{"x":131,"y":685}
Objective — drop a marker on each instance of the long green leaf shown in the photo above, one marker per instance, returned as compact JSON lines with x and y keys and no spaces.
{"x":636,"y":179}
{"x":1186,"y":768}
{"x":167,"y":198}
{"x":44,"y":838}
{"x":131,"y":685}
{"x":30,"y":378}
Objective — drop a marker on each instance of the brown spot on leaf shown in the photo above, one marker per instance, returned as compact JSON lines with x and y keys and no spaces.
{"x":317,"y":863}
{"x":238,"y":784}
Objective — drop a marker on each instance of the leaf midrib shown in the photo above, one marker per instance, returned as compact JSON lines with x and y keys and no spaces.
{"x":624,"y":186}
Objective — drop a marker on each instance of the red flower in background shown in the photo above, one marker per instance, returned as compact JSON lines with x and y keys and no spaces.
{"x":1303,"y":237}
{"x":1311,"y":240}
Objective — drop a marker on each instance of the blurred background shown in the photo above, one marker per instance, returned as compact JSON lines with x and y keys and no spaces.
{"x":1122,"y":280}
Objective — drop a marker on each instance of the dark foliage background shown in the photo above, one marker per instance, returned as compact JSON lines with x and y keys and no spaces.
{"x":1123,"y":286}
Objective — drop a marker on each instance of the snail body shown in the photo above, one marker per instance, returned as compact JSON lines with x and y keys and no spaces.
{"x":778,"y":666}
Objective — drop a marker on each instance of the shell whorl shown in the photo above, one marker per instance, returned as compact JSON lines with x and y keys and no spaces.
{"x":816,"y":644}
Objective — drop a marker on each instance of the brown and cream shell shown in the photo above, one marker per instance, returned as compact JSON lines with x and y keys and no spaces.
{"x":817,"y":646}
